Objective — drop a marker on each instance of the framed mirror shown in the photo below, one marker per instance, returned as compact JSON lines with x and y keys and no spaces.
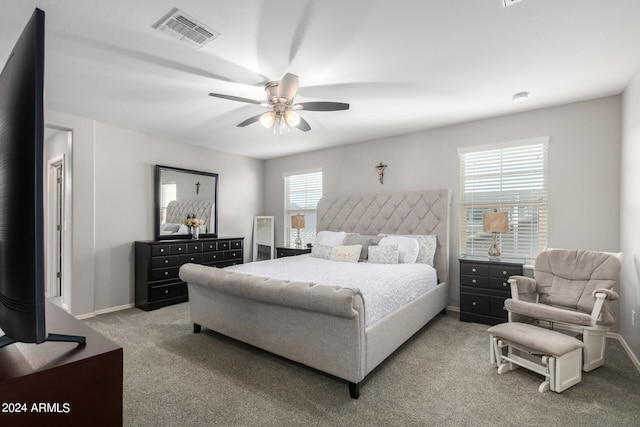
{"x":182,"y":193}
{"x":263,"y":238}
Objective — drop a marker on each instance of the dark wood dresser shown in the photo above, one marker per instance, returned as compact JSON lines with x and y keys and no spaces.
{"x":158,"y":262}
{"x":484,"y":287}
{"x":282,"y":252}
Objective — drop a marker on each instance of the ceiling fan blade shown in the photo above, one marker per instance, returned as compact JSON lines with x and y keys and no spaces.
{"x":288,"y":87}
{"x":322,"y":106}
{"x":303,"y":125}
{"x":235,"y":98}
{"x":250,"y":120}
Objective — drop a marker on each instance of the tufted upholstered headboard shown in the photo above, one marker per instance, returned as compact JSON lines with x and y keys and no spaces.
{"x":411,"y":212}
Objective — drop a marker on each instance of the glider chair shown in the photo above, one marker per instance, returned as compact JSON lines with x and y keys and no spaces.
{"x":571,"y":291}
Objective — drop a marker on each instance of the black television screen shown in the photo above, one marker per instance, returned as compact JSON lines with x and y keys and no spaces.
{"x":22,"y":300}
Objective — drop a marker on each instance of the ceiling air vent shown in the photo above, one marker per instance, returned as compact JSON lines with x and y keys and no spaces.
{"x":183,"y":27}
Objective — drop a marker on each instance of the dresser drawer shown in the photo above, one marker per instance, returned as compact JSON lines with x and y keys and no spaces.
{"x":474,"y":281}
{"x":173,"y":290}
{"x":195,"y":247}
{"x":210,"y":246}
{"x":236,"y":244}
{"x":157,"y":250}
{"x":178,"y":249}
{"x":504,"y":271}
{"x":164,"y":273}
{"x":501,"y":284}
{"x":165,"y":261}
{"x":209,"y":257}
{"x":474,"y":269}
{"x":227,"y":255}
{"x":224,"y":246}
{"x":474,"y":303}
{"x":192,"y":258}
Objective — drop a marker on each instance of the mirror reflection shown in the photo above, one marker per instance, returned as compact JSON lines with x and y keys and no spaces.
{"x":183,"y":194}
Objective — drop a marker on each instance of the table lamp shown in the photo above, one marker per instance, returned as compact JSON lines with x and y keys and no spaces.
{"x":297,"y":222}
{"x":495,"y":222}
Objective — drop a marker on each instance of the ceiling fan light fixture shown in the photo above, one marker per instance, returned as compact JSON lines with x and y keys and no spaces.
{"x":268,"y":119}
{"x":292,"y":118}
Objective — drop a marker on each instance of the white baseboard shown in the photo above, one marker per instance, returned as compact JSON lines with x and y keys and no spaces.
{"x":626,"y":347}
{"x":104,"y":311}
{"x":453,"y":308}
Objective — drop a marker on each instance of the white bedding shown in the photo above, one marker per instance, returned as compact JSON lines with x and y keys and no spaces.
{"x":385,"y":287}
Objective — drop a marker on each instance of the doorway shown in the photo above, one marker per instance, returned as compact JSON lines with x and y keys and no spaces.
{"x":57,"y":203}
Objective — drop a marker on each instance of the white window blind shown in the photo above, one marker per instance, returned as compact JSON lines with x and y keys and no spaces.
{"x":302,"y":191}
{"x":511,"y":178}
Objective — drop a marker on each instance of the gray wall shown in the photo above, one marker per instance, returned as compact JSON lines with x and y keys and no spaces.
{"x":113,"y":203}
{"x":584,"y":162}
{"x":630,"y":217}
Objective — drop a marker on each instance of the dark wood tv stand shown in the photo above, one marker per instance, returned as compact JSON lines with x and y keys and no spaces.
{"x":62,"y":383}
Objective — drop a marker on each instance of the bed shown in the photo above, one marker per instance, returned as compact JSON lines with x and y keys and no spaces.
{"x":328,"y":326}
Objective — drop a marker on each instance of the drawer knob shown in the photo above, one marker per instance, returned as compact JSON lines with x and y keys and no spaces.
{"x":504,"y":272}
{"x":166,"y":291}
{"x":473,"y":303}
{"x":473,"y":270}
{"x":166,"y":273}
{"x":473,"y":280}
{"x":166,"y":261}
{"x":504,"y":283}
{"x":161,"y":249}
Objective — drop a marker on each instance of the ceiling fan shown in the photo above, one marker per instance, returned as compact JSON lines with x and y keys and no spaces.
{"x":283,"y":111}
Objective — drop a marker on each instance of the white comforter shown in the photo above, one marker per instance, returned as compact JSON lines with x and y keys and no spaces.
{"x":385,"y":287}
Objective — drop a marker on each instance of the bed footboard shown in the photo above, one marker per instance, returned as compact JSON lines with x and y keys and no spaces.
{"x":319,"y":326}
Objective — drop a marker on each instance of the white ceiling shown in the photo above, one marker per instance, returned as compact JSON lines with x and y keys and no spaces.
{"x":403,"y":65}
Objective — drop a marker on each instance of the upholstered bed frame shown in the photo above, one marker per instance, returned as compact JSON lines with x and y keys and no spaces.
{"x":323,"y":326}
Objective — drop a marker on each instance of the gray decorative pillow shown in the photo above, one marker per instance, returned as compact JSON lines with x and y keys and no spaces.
{"x":364,"y":240}
{"x":383,"y":254}
{"x":321,"y":251}
{"x":427,"y":251}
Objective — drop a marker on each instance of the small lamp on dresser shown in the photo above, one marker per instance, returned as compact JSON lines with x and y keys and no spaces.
{"x":495,"y":222}
{"x":297,"y":222}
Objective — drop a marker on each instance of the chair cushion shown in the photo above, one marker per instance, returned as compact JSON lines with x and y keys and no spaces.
{"x":537,"y":339}
{"x":568,"y":277}
{"x":547,"y":312}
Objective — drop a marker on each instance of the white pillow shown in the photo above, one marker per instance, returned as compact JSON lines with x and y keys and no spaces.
{"x":407,"y":248}
{"x":349,"y":253}
{"x":383,"y":254}
{"x":330,"y":238}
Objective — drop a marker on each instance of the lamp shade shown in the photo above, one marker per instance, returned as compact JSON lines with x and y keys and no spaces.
{"x":297,"y":221}
{"x":495,"y":222}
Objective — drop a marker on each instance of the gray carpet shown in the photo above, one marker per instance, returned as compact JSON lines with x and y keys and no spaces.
{"x":441,"y":377}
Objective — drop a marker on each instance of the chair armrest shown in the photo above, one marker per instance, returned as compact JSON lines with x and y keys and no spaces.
{"x":523,"y":288}
{"x":600,"y":295}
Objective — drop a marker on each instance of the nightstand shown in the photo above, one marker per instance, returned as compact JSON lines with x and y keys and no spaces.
{"x":484,"y":287}
{"x":283,"y":252}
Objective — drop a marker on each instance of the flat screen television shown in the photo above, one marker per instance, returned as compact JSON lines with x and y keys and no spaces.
{"x":22,"y":299}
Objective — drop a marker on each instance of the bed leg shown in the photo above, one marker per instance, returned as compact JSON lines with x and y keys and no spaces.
{"x":444,"y":311}
{"x":354,"y":390}
{"x":196,"y":328}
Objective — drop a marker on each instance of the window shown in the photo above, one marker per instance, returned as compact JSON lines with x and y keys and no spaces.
{"x":302,"y":191}
{"x":511,"y":178}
